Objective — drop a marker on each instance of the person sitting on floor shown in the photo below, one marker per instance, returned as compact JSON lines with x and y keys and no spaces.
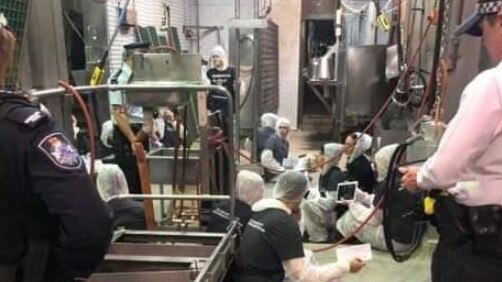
{"x":276,"y":149}
{"x":320,"y":210}
{"x":112,"y":182}
{"x":357,"y":164}
{"x":249,"y":189}
{"x":271,"y":246}
{"x":267,"y":129}
{"x":365,"y":203}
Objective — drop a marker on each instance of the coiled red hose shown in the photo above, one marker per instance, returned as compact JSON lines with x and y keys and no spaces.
{"x":88,"y":120}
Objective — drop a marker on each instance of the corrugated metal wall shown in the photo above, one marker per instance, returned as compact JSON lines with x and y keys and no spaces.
{"x":150,"y":13}
{"x":269,"y":41}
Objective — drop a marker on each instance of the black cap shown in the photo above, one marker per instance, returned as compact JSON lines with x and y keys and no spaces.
{"x":471,"y":24}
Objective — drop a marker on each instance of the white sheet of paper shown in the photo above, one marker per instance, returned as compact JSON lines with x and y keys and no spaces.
{"x":348,"y":253}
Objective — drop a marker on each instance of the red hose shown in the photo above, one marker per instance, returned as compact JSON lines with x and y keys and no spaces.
{"x":88,"y":120}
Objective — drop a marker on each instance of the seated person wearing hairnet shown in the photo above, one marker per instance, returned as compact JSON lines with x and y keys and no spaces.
{"x":249,"y":190}
{"x":267,"y":129}
{"x":111,"y":182}
{"x":271,"y":245}
{"x":276,"y":149}
{"x":320,"y":211}
{"x":356,"y":163}
{"x":363,"y":206}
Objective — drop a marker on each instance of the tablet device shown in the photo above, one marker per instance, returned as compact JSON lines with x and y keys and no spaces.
{"x":347,"y":190}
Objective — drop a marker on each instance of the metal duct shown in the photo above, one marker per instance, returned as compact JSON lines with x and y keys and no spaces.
{"x":367,"y":88}
{"x":260,"y":56}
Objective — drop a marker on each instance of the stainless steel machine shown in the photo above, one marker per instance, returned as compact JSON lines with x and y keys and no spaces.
{"x":170,"y":255}
{"x":139,"y":255}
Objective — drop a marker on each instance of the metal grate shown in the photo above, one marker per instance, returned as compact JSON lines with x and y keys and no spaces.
{"x":15,"y":11}
{"x":269,"y":42}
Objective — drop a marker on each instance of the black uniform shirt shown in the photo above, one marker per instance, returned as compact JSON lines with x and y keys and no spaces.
{"x":278,"y":146}
{"x":220,"y":216}
{"x":271,"y":237}
{"x":360,"y":170}
{"x":46,"y":194}
{"x":263,"y":134}
{"x":216,"y":100}
{"x":225,"y":78}
{"x":330,"y":180}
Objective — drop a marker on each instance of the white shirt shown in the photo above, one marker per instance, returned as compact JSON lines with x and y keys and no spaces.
{"x":471,"y":148}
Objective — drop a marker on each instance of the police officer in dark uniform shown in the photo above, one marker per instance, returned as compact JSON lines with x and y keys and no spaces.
{"x":467,"y":168}
{"x":53,"y":225}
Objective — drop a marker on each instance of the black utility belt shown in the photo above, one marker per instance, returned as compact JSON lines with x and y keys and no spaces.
{"x":481,"y":224}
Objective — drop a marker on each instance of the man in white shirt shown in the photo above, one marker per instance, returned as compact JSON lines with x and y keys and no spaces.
{"x":470,"y":245}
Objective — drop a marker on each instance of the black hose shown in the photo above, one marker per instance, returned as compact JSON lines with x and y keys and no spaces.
{"x":391,"y":187}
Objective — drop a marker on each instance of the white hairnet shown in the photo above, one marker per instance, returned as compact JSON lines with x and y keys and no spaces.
{"x":363,"y":144}
{"x":269,"y":119}
{"x":282,"y":122}
{"x":291,"y":186}
{"x":222,"y":53}
{"x":249,"y":186}
{"x":332,"y":150}
{"x":382,"y":160}
{"x":111,"y":181}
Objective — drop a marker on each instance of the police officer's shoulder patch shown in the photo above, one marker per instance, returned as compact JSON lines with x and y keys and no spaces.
{"x":60,"y":151}
{"x":27,"y":116}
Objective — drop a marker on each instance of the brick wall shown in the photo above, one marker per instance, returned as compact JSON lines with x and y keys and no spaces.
{"x":150,"y":13}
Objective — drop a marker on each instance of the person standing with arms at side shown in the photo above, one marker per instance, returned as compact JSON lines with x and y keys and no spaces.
{"x":221,"y":74}
{"x":53,"y":225}
{"x":470,"y":218}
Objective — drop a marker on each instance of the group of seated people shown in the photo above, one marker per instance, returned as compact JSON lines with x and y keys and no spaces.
{"x":327,"y":219}
{"x":271,"y":245}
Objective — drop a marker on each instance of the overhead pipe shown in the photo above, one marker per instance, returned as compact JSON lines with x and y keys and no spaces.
{"x":197,"y":23}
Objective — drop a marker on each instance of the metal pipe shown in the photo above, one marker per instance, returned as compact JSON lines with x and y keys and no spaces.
{"x":237,"y":9}
{"x":237,"y":100}
{"x":197,"y":23}
{"x":252,"y":91}
{"x":217,"y":253}
{"x":122,"y":17}
{"x":170,"y":197}
{"x":163,"y":87}
{"x":186,"y":234}
{"x":210,"y":27}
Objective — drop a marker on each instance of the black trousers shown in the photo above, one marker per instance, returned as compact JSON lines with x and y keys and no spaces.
{"x":455,"y":258}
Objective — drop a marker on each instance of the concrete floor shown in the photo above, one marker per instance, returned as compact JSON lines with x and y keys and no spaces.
{"x":382,"y":267}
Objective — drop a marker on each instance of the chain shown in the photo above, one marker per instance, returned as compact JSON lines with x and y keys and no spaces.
{"x":442,"y":70}
{"x":445,"y":39}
